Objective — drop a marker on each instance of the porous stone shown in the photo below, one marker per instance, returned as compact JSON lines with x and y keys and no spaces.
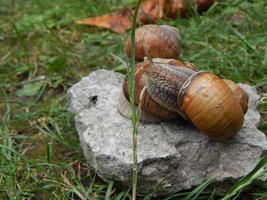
{"x":172,"y":156}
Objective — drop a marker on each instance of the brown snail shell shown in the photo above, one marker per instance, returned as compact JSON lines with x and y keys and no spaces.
{"x":148,"y":104}
{"x":210,"y":104}
{"x":155,"y":41}
{"x":239,"y":93}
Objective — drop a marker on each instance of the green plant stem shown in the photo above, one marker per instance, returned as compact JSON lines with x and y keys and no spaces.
{"x":248,"y":179}
{"x":134,"y":115}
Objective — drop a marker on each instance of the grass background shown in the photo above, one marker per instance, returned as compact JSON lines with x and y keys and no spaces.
{"x":43,"y":53}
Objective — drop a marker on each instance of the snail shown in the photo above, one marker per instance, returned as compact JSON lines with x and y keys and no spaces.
{"x":155,"y":41}
{"x":168,"y":89}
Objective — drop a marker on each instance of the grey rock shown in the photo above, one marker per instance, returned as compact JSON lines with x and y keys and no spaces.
{"x":171,"y":155}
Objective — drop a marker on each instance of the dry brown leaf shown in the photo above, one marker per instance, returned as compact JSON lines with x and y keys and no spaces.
{"x":118,"y":22}
{"x":150,"y":12}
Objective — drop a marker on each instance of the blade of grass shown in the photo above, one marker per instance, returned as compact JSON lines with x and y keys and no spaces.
{"x":109,"y":191}
{"x":134,"y":116}
{"x":15,"y":153}
{"x":196,"y":192}
{"x":243,"y":39}
{"x":247,"y":180}
{"x":123,"y":195}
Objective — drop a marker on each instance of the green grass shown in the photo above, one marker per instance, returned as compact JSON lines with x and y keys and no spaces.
{"x":43,"y":53}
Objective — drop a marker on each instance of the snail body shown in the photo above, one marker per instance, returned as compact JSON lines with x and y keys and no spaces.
{"x":148,"y":104}
{"x":155,"y":41}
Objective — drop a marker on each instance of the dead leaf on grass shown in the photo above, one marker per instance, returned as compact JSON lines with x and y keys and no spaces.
{"x":150,"y":12}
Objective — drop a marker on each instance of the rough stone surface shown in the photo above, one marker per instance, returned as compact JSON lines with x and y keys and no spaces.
{"x":172,"y":155}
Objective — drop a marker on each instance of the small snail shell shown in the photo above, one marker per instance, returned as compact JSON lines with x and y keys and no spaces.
{"x":239,"y":93}
{"x":155,"y":41}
